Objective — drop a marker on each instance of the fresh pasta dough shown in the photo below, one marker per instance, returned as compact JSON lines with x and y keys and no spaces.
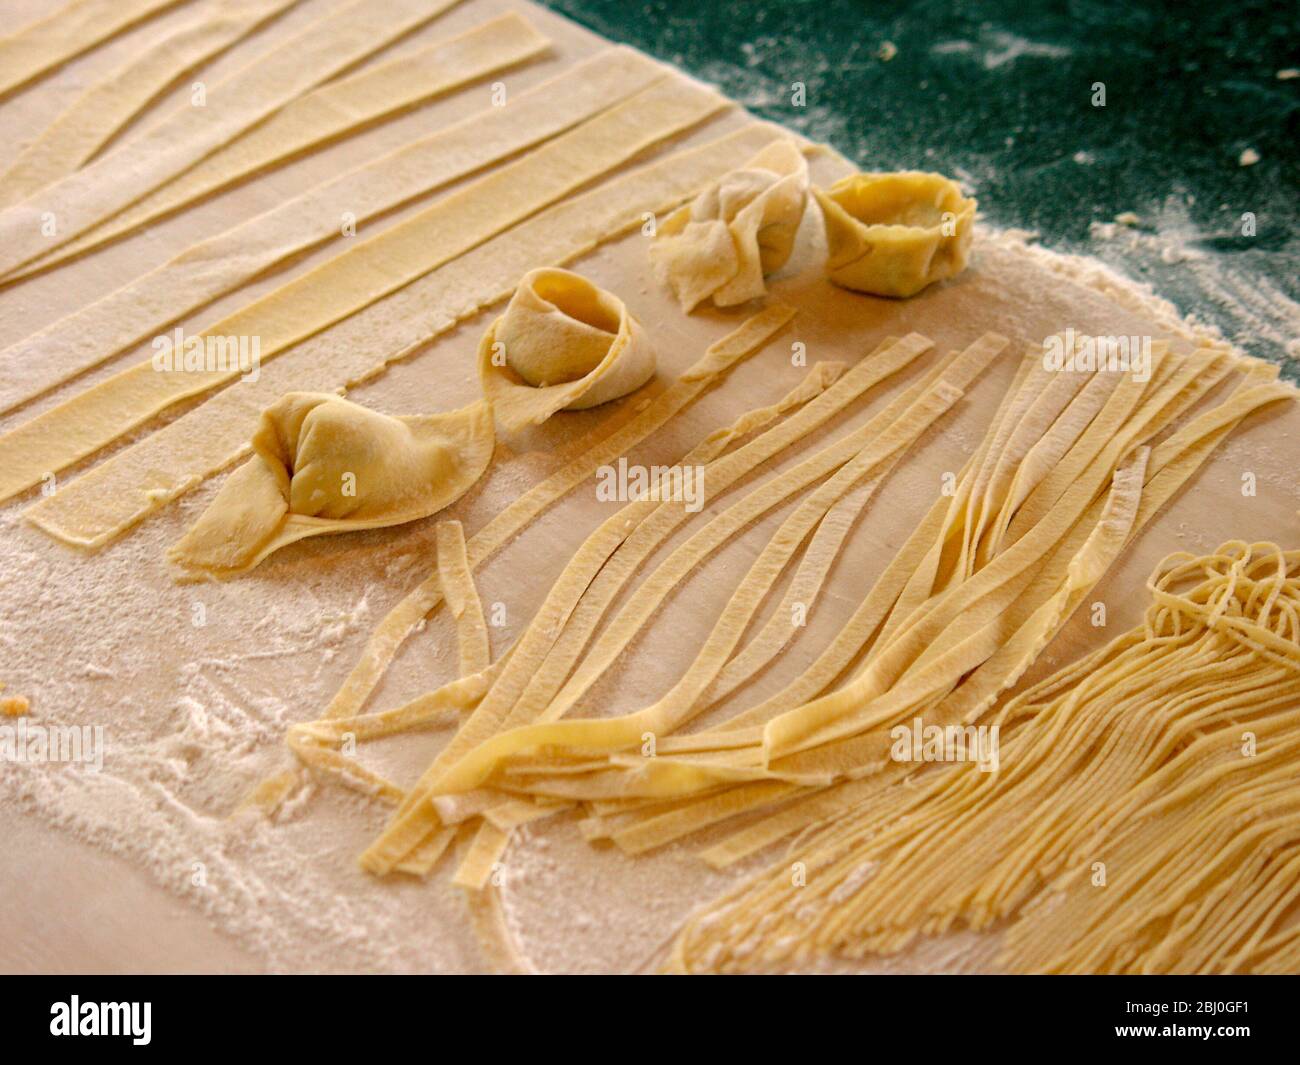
{"x":358,"y":276}
{"x":562,"y":344}
{"x":1168,"y":756}
{"x":724,"y":242}
{"x":37,"y":48}
{"x":109,"y":500}
{"x":322,"y":464}
{"x":104,"y":109}
{"x":147,"y":304}
{"x":962,"y":619}
{"x":895,"y":234}
{"x":341,"y":39}
{"x":333,"y":111}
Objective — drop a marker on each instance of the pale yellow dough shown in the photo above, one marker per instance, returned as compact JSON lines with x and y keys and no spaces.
{"x":894,"y":234}
{"x":724,"y":242}
{"x":37,"y":48}
{"x":562,"y":344}
{"x":96,"y":117}
{"x":322,"y":464}
{"x":123,"y":490}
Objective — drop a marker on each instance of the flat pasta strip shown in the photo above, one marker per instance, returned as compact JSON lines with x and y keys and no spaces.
{"x":812,"y":808}
{"x":315,"y":743}
{"x":77,"y":27}
{"x":116,"y":494}
{"x":461,"y":597}
{"x":355,"y":278}
{"x":484,"y":857}
{"x":484,"y":860}
{"x":108,"y":106}
{"x":335,"y":110}
{"x":425,"y":856}
{"x":488,"y":919}
{"x":663,"y":828}
{"x":341,"y":39}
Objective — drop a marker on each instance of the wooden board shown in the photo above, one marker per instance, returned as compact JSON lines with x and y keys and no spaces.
{"x":194,"y":714}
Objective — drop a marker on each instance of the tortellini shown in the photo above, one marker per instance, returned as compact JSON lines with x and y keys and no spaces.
{"x":725,"y":241}
{"x":322,"y":464}
{"x":562,"y":344}
{"x":895,"y":234}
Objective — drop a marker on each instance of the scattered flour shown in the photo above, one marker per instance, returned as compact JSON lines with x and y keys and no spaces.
{"x":997,"y":48}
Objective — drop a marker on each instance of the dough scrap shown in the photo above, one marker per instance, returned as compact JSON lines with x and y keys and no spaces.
{"x":323,"y":465}
{"x":13,"y":705}
{"x":563,"y":343}
{"x":735,"y":232}
{"x":895,"y":234}
{"x":119,"y":492}
{"x":108,"y":106}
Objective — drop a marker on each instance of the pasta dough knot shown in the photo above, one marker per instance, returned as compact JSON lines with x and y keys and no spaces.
{"x":563,"y":344}
{"x":735,"y":232}
{"x":322,"y":464}
{"x":895,"y":234}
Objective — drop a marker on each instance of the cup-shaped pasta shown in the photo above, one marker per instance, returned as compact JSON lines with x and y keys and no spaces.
{"x":322,"y":464}
{"x":562,"y":344}
{"x":725,"y":241}
{"x":895,"y":234}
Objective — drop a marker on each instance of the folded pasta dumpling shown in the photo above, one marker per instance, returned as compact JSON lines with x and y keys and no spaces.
{"x":563,"y":344}
{"x":894,"y":234}
{"x":735,"y":232}
{"x":322,"y":464}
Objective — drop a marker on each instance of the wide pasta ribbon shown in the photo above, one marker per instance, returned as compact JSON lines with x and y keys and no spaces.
{"x":322,"y":464}
{"x":735,"y":232}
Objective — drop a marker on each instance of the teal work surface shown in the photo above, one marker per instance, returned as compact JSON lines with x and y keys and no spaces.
{"x":1007,"y":96}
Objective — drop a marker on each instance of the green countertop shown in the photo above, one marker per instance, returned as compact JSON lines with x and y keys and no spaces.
{"x":1001,"y":95}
